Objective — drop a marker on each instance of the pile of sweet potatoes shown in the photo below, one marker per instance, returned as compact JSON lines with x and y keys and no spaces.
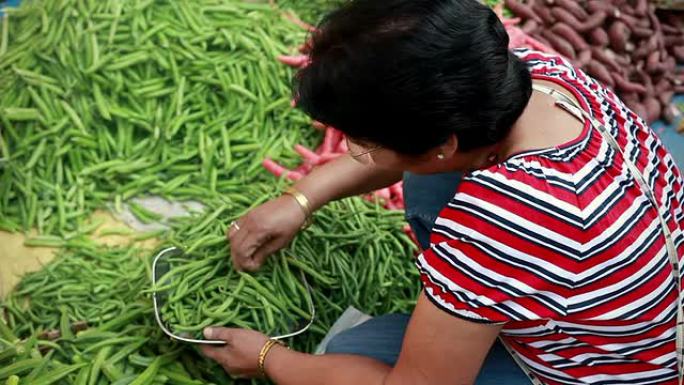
{"x":624,"y":44}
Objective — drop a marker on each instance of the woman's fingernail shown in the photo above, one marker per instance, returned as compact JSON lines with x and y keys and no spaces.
{"x":208,"y":333}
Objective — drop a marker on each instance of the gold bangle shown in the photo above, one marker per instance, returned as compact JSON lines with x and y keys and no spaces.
{"x":264,"y":352}
{"x":303,"y":202}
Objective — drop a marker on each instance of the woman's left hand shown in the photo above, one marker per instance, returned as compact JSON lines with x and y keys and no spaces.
{"x":240,"y":356}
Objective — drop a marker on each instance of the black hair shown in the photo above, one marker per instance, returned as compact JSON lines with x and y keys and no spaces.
{"x":406,"y":74}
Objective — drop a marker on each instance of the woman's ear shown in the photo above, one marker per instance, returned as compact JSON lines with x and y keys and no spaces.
{"x":449,"y":148}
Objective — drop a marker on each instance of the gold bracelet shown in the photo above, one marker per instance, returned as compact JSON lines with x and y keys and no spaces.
{"x":264,"y":352}
{"x":303,"y":202}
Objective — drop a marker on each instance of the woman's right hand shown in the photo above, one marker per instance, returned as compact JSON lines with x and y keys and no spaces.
{"x":263,"y":231}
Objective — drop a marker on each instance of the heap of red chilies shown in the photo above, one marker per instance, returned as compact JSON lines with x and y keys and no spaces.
{"x":334,"y":143}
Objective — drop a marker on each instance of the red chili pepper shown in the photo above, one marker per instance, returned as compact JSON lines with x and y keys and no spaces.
{"x":308,"y":155}
{"x":297,"y":61}
{"x":318,"y":125}
{"x":328,"y":144}
{"x":278,"y":170}
{"x":297,"y":21}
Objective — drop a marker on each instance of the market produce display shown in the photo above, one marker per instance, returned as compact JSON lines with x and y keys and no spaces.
{"x":352,"y":254}
{"x":105,"y":101}
{"x":622,"y":43}
{"x":92,"y":305}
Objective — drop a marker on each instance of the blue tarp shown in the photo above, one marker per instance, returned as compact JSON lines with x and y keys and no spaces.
{"x":8,"y":3}
{"x":673,"y":140}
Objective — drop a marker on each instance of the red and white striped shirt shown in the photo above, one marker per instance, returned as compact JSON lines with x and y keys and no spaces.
{"x":563,"y":247}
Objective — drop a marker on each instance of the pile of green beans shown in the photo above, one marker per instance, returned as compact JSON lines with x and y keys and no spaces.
{"x":353,"y":254}
{"x":104,"y":100}
{"x":310,"y":10}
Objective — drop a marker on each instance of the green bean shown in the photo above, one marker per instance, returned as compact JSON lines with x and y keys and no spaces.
{"x":73,"y":116}
{"x":44,"y":241}
{"x":175,"y":100}
{"x":128,"y":60}
{"x":21,"y":114}
{"x":5,"y":33}
{"x":19,"y":367}
{"x":96,"y":368}
{"x":147,"y":376}
{"x":143,"y":214}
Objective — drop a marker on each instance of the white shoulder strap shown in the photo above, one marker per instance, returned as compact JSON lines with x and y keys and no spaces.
{"x":571,"y":107}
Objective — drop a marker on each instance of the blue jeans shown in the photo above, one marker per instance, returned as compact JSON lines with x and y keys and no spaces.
{"x":381,"y":337}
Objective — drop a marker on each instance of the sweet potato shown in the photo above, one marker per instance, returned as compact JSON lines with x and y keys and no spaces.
{"x":631,"y":21}
{"x":573,"y":7}
{"x":529,"y":26}
{"x":594,"y":21}
{"x":674,"y":19}
{"x":678,"y":53}
{"x":601,"y":55}
{"x":619,"y":35}
{"x":560,"y":44}
{"x":566,"y":17}
{"x":522,"y":10}
{"x":542,"y":40}
{"x":670,"y":29}
{"x":594,"y":6}
{"x":652,"y":61}
{"x":653,"y":109}
{"x":646,"y":47}
{"x":625,"y":85}
{"x":662,"y":86}
{"x":670,"y":115}
{"x":674,"y":40}
{"x":600,"y":73}
{"x":646,"y":81}
{"x":666,"y":97}
{"x":629,"y":98}
{"x":599,"y":37}
{"x":620,"y":59}
{"x":583,"y":58}
{"x":641,"y":7}
{"x":569,"y":34}
{"x":642,"y":33}
{"x":544,"y":13}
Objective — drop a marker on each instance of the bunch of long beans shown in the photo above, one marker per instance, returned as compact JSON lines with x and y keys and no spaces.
{"x":354,"y":254}
{"x":104,"y":100}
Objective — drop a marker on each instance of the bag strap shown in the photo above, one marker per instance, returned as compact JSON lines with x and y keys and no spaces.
{"x":569,"y":105}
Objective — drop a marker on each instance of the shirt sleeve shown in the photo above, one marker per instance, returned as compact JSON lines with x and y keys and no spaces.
{"x":480,"y":270}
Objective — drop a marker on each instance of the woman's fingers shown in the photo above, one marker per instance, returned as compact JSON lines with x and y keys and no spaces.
{"x":233,"y":229}
{"x":260,"y":255}
{"x":244,"y":243}
{"x":237,"y":239}
{"x":248,"y":247}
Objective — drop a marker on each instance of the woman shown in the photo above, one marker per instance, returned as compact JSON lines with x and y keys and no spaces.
{"x":549,"y":240}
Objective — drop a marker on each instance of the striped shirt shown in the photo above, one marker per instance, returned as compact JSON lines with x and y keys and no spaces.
{"x":563,"y":247}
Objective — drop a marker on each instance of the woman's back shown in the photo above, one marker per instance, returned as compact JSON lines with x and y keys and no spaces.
{"x":563,"y":245}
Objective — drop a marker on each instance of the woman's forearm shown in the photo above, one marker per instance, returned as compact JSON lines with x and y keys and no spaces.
{"x":341,"y":178}
{"x":286,"y":367}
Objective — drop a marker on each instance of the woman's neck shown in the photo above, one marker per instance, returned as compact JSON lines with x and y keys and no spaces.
{"x":542,"y":125}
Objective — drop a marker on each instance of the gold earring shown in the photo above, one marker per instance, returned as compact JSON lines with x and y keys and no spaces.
{"x":440,"y":156}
